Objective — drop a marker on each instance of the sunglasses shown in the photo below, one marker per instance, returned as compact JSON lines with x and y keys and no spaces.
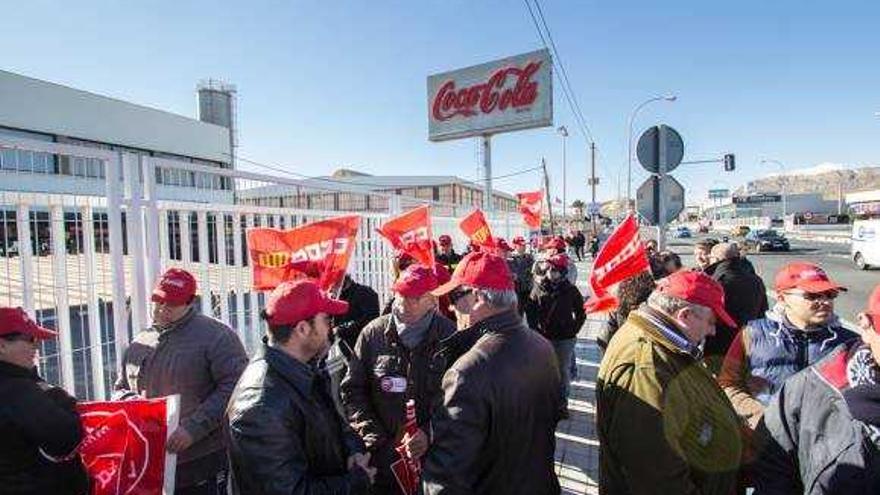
{"x":20,"y":337}
{"x":816,"y":296}
{"x":457,"y":294}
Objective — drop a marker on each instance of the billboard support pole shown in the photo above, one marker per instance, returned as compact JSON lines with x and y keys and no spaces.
{"x":488,"y":204}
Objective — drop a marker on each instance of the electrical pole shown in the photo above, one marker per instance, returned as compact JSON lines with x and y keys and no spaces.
{"x":593,"y":182}
{"x":547,"y":194}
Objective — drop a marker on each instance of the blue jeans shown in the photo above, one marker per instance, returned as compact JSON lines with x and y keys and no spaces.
{"x":564,"y":355}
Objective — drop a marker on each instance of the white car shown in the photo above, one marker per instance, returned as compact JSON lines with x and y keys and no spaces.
{"x":866,"y":243}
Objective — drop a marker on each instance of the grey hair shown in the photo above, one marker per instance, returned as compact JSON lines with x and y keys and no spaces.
{"x":501,"y":299}
{"x":670,"y":304}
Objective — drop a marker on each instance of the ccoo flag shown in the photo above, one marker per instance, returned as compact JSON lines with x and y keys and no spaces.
{"x":622,"y":257}
{"x":531,"y":205}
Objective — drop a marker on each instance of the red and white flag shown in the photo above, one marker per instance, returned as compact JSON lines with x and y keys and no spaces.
{"x":531,"y":205}
{"x":124,"y":445}
{"x":411,"y":234}
{"x":407,"y":471}
{"x":622,"y":257}
{"x":318,"y":250}
{"x":477,"y":229}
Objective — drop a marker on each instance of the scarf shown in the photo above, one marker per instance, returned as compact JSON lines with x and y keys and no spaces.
{"x":412,"y":334}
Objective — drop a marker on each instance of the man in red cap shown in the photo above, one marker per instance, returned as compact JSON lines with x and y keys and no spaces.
{"x":664,"y":425}
{"x":393,"y":363}
{"x":819,"y":434}
{"x":193,"y":355}
{"x":38,"y":421}
{"x":284,"y":432}
{"x":554,"y":246}
{"x":521,"y":263}
{"x":801,"y":329}
{"x":446,"y":253}
{"x":494,"y":431}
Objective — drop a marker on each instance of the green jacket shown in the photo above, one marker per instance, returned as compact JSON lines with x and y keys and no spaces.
{"x":664,"y":425}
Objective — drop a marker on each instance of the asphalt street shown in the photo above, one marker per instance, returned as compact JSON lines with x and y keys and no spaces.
{"x":834,"y":258}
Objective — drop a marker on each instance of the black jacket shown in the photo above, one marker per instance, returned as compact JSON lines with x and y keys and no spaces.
{"x":363,"y":307}
{"x":745,"y":299}
{"x":285,"y":435}
{"x":494,"y":433}
{"x":450,"y":261}
{"x":34,"y":416}
{"x":558,"y":312}
{"x":521,"y":268}
{"x":809,"y":441}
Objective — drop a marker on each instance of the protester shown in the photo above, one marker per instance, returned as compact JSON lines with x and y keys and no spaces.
{"x":579,"y":242}
{"x":554,"y":246}
{"x":594,"y":246}
{"x":193,"y":355}
{"x":521,"y":263}
{"x":38,"y":421}
{"x":556,"y":310}
{"x":670,"y":262}
{"x":446,"y":254}
{"x":363,"y":307}
{"x":799,"y":331}
{"x":284,"y":432}
{"x":745,"y":298}
{"x":657,"y":268}
{"x":494,"y":432}
{"x":392,"y":363}
{"x":702,"y":248}
{"x":399,"y":263}
{"x":664,"y":425}
{"x":631,"y":293}
{"x":819,"y":434}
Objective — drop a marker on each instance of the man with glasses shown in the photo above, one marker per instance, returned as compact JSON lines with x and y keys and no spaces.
{"x":39,"y":424}
{"x":193,"y":355}
{"x":392,"y":363}
{"x":494,"y":431}
{"x":800,"y":330}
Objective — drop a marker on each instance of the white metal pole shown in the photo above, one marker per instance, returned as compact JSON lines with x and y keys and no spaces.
{"x":117,"y":257}
{"x":136,"y":252}
{"x":205,"y":271}
{"x":94,"y":317}
{"x":62,"y":307}
{"x":26,"y":256}
{"x":487,"y":171}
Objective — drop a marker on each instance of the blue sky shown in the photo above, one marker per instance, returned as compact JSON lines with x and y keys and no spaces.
{"x":327,"y":84}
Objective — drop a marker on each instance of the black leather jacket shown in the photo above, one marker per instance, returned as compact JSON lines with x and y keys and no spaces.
{"x":285,"y":435}
{"x":494,"y":433}
{"x":34,"y":416}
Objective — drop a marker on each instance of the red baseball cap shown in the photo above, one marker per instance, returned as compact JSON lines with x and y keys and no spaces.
{"x":442,"y":273}
{"x":480,"y":269}
{"x":555,"y":243}
{"x":805,"y":276}
{"x":15,"y":320}
{"x":873,"y":310}
{"x":697,"y":288}
{"x":558,"y":261}
{"x":519,"y":241}
{"x":501,"y":244}
{"x":293,"y":302}
{"x":175,"y":287}
{"x":445,"y":240}
{"x":415,"y":281}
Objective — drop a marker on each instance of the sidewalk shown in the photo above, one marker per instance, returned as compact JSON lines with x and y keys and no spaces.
{"x":577,"y":449}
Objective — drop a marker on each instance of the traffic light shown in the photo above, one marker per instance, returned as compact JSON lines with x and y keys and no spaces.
{"x":729,"y":162}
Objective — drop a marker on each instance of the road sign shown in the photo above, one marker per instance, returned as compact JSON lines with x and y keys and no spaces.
{"x":718,"y":193}
{"x":594,"y":208}
{"x":649,"y":203}
{"x":648,"y":150}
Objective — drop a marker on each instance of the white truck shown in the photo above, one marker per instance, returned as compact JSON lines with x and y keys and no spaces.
{"x":866,"y":243}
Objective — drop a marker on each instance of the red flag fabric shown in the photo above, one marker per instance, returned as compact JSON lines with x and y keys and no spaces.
{"x":407,"y":471}
{"x":531,"y":205}
{"x":477,"y":229}
{"x":124,"y":445}
{"x":623,"y":256}
{"x":411,"y":233}
{"x":323,"y":247}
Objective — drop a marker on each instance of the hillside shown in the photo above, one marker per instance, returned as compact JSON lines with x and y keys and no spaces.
{"x":827,"y":183}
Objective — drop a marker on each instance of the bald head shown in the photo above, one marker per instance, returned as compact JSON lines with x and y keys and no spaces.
{"x":724,"y":251}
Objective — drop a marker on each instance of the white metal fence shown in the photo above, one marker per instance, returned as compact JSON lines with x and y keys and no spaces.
{"x":81,"y":253}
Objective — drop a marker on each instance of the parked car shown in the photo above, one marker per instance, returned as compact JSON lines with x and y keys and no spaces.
{"x":682,"y":232}
{"x":740,"y":231}
{"x":766,"y":240}
{"x":865,"y":243}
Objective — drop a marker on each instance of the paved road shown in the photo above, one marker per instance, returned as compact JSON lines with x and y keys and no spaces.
{"x":834,"y":258}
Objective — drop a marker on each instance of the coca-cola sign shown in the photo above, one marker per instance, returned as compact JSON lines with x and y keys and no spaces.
{"x":505,"y":95}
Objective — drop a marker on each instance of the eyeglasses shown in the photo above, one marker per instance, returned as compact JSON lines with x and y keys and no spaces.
{"x":457,"y":294}
{"x":20,"y":337}
{"x":816,"y":296}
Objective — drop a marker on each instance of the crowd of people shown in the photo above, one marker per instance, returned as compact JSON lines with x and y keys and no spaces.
{"x":703,"y":386}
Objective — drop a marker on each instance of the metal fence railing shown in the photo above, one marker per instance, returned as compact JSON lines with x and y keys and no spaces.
{"x":81,"y":252}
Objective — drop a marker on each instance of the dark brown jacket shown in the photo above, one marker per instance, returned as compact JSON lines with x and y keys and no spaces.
{"x":201,"y":359}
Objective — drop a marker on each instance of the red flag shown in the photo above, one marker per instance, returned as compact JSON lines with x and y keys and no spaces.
{"x":411,"y":233}
{"x":531,"y":205}
{"x":323,"y":247}
{"x":477,"y":229}
{"x":623,"y":256}
{"x":124,"y":445}
{"x":407,"y":470}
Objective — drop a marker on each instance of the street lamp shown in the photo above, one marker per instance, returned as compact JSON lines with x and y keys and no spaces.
{"x":782,"y":178}
{"x":563,"y":131}
{"x":632,"y":118}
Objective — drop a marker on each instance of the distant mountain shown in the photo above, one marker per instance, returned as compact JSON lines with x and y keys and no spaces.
{"x":820,"y":179}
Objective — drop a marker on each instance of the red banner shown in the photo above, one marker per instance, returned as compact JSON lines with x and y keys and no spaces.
{"x":323,"y":247}
{"x":411,"y":233}
{"x":407,"y":471}
{"x":623,"y":256}
{"x":477,"y":229}
{"x":124,"y":445}
{"x":531,"y":205}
